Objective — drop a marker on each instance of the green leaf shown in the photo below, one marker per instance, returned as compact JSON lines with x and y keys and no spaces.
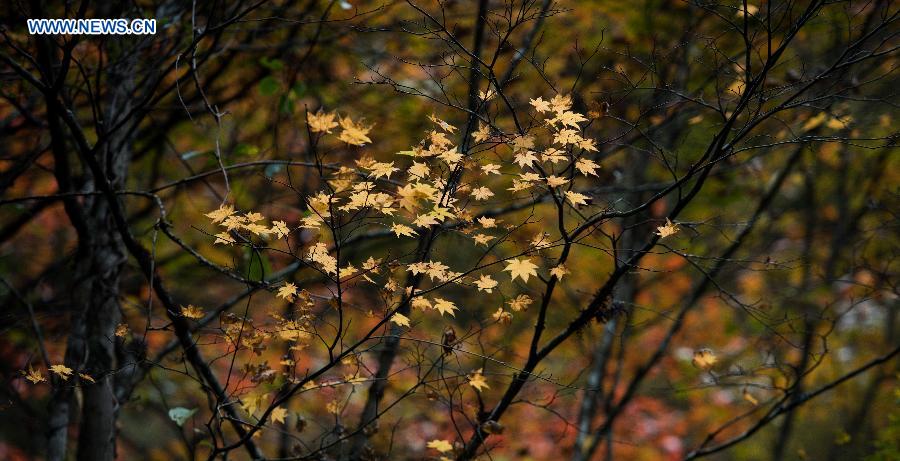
{"x":271,"y":64}
{"x":268,"y":86}
{"x":245,"y":149}
{"x":299,"y":89}
{"x":286,"y":105}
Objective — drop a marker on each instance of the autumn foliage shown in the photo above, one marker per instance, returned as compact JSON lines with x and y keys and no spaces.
{"x":452,"y":230}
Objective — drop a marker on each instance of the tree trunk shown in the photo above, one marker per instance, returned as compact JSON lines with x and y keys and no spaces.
{"x":97,"y":434}
{"x":98,"y":262}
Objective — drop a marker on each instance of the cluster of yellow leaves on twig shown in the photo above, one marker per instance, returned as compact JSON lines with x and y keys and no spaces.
{"x":63,"y":372}
{"x":233,"y":222}
{"x":353,"y":133}
{"x":435,"y":184}
{"x":435,"y":192}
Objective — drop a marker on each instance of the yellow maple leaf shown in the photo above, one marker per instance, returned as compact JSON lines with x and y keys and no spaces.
{"x":667,"y":230}
{"x":322,"y":122}
{"x":444,"y":307}
{"x":221,"y":213}
{"x":482,"y":239}
{"x":476,"y":380}
{"x":34,"y":376}
{"x":288,"y":291}
{"x":540,"y":105}
{"x":837,"y":123}
{"x":556,"y":181}
{"x":291,"y":330}
{"x":559,"y":271}
{"x":224,"y":238}
{"x":567,"y":136}
{"x":482,"y":134}
{"x":436,"y":270}
{"x":576,"y":199}
{"x":519,"y":185}
{"x":482,"y":193}
{"x":319,"y":253}
{"x":253,"y":217}
{"x":278,"y":414}
{"x":521,"y":268}
{"x":419,"y":171}
{"x":257,"y":229}
{"x":334,"y":407}
{"x":417,"y":268}
{"x":490,"y":168}
{"x":588,"y":144}
{"x":486,"y":222}
{"x":567,"y":118}
{"x":192,"y":312}
{"x":442,"y":446}
{"x":486,"y":283}
{"x":444,"y":125}
{"x":279,"y":228}
{"x":452,"y":157}
{"x":402,"y":229}
{"x":525,"y":158}
{"x":704,"y":359}
{"x":502,"y":317}
{"x":560,"y":103}
{"x":553,"y":155}
{"x":400,"y":319}
{"x":587,"y":167}
{"x":353,"y":133}
{"x":422,"y":304}
{"x":814,"y":122}
{"x":253,"y":402}
{"x":371,"y":264}
{"x":425,"y":220}
{"x":384,"y":169}
{"x":62,"y":371}
{"x":520,"y":303}
{"x":121,"y":330}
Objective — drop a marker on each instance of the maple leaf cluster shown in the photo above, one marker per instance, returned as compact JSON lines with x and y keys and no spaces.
{"x":433,"y":188}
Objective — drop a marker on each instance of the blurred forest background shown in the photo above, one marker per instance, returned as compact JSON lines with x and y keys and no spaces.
{"x":705,"y":267}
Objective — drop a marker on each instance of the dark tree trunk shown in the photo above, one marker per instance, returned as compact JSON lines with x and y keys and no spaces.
{"x":97,"y":434}
{"x":95,"y":277}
